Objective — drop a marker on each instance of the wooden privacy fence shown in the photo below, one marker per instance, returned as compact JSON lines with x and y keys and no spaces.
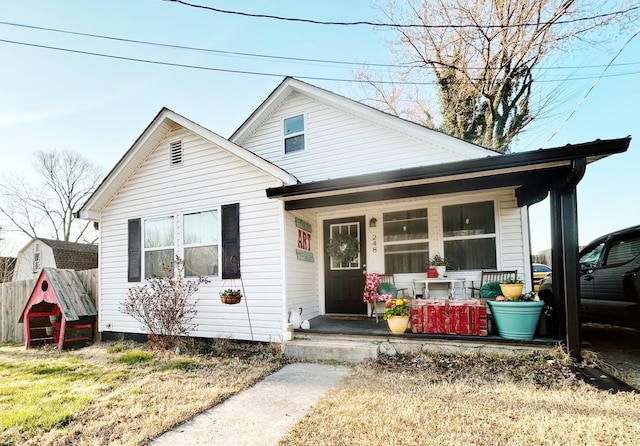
{"x":14,"y":296}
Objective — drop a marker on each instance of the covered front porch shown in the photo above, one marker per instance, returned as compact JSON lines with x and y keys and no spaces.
{"x":527,"y":177}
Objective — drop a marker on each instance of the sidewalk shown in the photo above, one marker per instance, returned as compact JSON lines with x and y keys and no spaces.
{"x":262,"y":414}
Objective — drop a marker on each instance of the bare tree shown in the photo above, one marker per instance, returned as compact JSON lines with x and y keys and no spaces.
{"x":47,"y":208}
{"x":482,"y":55}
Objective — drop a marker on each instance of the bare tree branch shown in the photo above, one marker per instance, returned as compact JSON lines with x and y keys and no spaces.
{"x":483,"y":72}
{"x":46,"y":208}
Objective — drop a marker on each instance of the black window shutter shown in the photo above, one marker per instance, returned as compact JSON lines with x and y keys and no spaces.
{"x":231,"y":241}
{"x":135,"y":243}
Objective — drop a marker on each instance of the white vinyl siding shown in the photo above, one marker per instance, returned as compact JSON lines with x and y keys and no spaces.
{"x":340,"y":144}
{"x":212,"y":177}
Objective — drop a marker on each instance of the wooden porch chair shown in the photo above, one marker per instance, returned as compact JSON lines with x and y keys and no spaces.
{"x":382,"y":289}
{"x":493,"y":276}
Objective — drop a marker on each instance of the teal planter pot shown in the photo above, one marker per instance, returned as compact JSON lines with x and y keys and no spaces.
{"x":516,"y":320}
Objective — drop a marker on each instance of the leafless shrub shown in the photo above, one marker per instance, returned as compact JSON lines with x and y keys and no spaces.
{"x":163,"y":306}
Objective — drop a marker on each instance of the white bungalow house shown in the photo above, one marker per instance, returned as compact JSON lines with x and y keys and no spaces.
{"x":258,"y":209}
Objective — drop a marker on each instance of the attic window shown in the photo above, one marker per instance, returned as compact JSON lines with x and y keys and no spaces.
{"x":293,"y":134}
{"x":175,"y":152}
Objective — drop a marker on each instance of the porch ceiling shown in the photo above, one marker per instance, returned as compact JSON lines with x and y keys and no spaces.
{"x":533,"y":174}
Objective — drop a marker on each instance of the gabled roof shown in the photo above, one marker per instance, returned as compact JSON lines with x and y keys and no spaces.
{"x":70,"y":255}
{"x":72,"y":297}
{"x":155,"y":132}
{"x":290,"y":85}
{"x":76,"y":256}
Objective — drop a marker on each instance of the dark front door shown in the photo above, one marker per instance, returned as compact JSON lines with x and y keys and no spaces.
{"x":344,"y":279}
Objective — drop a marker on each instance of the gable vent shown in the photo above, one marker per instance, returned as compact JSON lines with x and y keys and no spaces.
{"x":176,"y":153}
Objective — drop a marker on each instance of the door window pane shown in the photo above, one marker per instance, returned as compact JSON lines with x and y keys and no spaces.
{"x":340,"y":230}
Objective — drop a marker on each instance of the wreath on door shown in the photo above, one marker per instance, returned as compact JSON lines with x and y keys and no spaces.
{"x":343,"y":247}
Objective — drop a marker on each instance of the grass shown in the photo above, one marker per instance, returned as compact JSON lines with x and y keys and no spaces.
{"x":118,"y":393}
{"x":435,"y":399}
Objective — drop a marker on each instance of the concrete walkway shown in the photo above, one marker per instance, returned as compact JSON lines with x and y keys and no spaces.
{"x":262,"y":414}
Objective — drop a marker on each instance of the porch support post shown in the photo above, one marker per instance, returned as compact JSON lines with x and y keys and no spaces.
{"x":568,"y":205}
{"x":558,"y":303}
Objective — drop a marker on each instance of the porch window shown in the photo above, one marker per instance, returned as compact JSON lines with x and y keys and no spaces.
{"x":469,"y":235}
{"x":293,"y":134}
{"x":406,"y":241}
{"x":158,"y":246}
{"x":200,"y":240}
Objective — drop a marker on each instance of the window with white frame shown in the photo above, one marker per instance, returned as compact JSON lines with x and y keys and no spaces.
{"x":197,"y":245}
{"x":406,"y":241}
{"x":158,"y":245}
{"x":293,"y":128}
{"x":200,"y":243}
{"x":469,"y":235}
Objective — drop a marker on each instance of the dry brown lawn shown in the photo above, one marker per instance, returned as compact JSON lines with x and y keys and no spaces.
{"x":435,"y":399}
{"x":118,"y":394}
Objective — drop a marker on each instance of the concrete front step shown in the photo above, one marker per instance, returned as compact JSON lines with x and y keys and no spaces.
{"x":316,"y":350}
{"x":354,"y":349}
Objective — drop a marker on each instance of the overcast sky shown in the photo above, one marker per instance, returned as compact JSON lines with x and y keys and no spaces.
{"x":57,"y":96}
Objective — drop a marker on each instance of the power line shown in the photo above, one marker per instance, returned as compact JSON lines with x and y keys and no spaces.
{"x":396,"y":25}
{"x":267,"y":56}
{"x":256,"y":73}
{"x":594,"y":85}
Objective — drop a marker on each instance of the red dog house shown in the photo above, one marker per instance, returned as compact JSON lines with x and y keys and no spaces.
{"x":59,"y":310}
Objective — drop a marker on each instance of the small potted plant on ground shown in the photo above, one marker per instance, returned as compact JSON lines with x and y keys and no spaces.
{"x":230,"y":296}
{"x":396,"y":313}
{"x":439,"y":263}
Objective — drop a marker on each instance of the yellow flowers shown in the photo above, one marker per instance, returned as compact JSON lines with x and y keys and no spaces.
{"x":398,"y":307}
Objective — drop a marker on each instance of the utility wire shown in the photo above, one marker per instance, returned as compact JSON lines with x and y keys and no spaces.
{"x":594,"y":85}
{"x":397,"y":25}
{"x":258,"y":73}
{"x":267,"y":56}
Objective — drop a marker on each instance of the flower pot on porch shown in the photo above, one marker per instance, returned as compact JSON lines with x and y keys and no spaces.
{"x":511,"y":289}
{"x":516,"y":320}
{"x":398,"y":324}
{"x":441,"y":270}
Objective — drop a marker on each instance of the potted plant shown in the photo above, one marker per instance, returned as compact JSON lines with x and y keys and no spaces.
{"x":230,"y":296}
{"x":516,"y":317}
{"x":396,"y":313}
{"x":439,"y":263}
{"x":511,"y":287}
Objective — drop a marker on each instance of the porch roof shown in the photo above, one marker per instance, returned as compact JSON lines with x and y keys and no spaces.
{"x":533,"y":174}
